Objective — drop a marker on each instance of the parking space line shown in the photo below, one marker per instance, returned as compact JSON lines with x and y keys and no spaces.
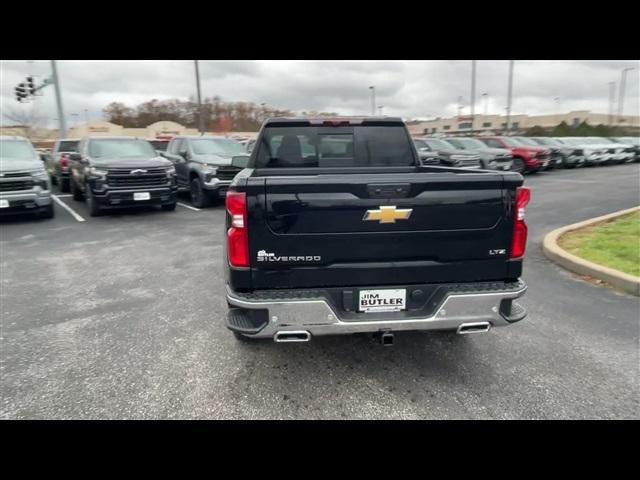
{"x":189,"y":207}
{"x":64,"y":195}
{"x":67,"y":208}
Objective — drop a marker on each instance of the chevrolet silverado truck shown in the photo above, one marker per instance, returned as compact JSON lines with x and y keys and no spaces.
{"x":335,"y":227}
{"x":24,"y":183}
{"x":490,"y":158}
{"x":117,"y":172}
{"x":203,"y":165}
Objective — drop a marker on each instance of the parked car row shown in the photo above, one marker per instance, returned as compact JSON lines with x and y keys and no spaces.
{"x":526,"y":154}
{"x":115,"y":172}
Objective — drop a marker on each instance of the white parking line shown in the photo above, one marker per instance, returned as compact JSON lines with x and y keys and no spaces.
{"x":189,"y":207}
{"x":64,"y":195}
{"x":67,"y":208}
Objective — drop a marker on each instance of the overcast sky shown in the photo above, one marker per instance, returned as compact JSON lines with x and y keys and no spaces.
{"x":407,"y":89}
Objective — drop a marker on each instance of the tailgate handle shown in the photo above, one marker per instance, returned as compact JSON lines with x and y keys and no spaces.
{"x":388,"y":190}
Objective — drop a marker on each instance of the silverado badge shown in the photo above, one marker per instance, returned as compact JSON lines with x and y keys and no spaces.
{"x":388,"y":214}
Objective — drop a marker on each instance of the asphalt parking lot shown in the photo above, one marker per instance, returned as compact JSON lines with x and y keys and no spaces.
{"x":121,"y":317}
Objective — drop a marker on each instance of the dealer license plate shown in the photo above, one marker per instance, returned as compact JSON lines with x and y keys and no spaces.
{"x":141,"y":195}
{"x":388,"y":300}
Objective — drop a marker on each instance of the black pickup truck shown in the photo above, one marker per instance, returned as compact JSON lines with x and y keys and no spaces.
{"x":116,"y":172}
{"x":334,"y":227}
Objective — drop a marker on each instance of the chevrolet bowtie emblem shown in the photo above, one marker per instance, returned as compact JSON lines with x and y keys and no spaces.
{"x":388,"y":214}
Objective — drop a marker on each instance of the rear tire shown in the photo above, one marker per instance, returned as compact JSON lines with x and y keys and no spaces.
{"x":199,"y":198}
{"x":75,"y":191}
{"x":64,"y":184}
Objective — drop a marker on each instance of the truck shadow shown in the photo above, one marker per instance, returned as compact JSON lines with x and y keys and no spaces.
{"x":430,"y":356}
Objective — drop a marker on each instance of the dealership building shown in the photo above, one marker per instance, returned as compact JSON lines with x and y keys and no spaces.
{"x":494,"y":124}
{"x":43,"y":137}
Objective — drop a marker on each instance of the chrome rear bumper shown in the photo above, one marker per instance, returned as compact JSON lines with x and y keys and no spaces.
{"x":317,"y":317}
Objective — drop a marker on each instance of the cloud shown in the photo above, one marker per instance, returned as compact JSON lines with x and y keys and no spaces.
{"x":405,"y":88}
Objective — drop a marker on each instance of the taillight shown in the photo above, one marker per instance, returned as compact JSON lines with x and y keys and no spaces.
{"x":519,"y":238}
{"x":64,"y":160}
{"x":237,"y":235}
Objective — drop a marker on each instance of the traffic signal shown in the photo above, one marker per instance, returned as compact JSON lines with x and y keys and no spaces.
{"x":21,"y":92}
{"x":31,"y":85}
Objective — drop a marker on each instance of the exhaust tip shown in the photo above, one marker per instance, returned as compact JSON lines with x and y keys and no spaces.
{"x":477,"y":327}
{"x":292,"y":336}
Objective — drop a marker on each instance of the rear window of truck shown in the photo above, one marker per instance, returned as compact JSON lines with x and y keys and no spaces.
{"x":328,"y":147}
{"x":68,"y":146}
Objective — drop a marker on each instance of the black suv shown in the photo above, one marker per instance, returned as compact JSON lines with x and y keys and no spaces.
{"x":113,"y":172}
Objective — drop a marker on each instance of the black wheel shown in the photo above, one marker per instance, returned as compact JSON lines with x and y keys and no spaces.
{"x":64,"y":184}
{"x":518,"y":165}
{"x":54,"y":179}
{"x":199,"y":197}
{"x":48,"y":212}
{"x":75,"y":191}
{"x":94,"y":208}
{"x":169,"y":207}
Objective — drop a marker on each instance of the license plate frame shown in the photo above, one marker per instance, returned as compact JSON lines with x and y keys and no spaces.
{"x":386,"y":300}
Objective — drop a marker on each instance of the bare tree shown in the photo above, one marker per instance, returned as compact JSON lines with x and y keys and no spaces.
{"x":26,"y":119}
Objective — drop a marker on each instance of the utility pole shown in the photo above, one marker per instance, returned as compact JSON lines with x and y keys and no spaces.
{"x":623,"y":84}
{"x":509,"y":94}
{"x":200,"y":115}
{"x":62,"y":133}
{"x":373,"y":100}
{"x":612,"y":101}
{"x":473,"y":92}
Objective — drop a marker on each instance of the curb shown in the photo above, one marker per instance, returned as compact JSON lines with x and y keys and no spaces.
{"x":621,"y":280}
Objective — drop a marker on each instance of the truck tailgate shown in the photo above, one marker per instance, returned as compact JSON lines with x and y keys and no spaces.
{"x":357,"y":229}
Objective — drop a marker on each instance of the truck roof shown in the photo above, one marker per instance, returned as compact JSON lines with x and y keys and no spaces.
{"x":352,"y":120}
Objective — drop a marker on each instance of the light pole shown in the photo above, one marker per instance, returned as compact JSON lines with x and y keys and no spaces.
{"x":473,"y":92}
{"x":509,"y":94}
{"x":623,"y":84}
{"x":74,"y":122}
{"x":380,"y":107}
{"x":556,"y":101}
{"x":373,"y":100}
{"x":62,"y":131}
{"x":86,"y":115}
{"x":486,"y":103}
{"x":612,"y":101}
{"x":200,"y":116}
{"x":459,"y":106}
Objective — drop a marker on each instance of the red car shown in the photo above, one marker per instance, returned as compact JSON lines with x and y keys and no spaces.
{"x":526,"y":158}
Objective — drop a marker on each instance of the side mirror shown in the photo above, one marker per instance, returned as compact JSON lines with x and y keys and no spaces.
{"x":183,"y":154}
{"x":240,"y":161}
